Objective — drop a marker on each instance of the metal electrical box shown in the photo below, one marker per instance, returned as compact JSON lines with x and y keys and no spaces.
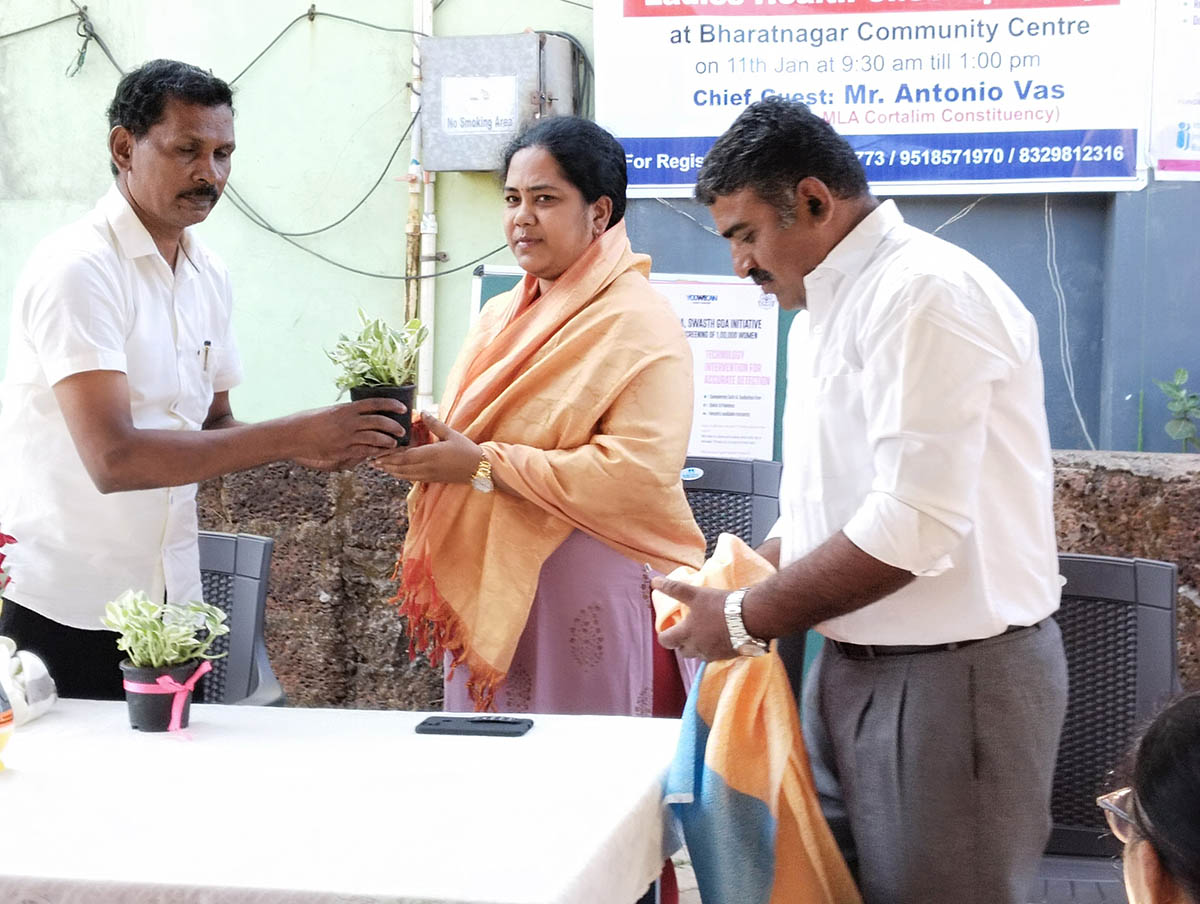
{"x":479,"y":91}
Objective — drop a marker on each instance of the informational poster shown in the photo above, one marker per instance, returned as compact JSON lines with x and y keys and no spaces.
{"x":733,"y":330}
{"x":936,"y":96}
{"x":1175,"y":127}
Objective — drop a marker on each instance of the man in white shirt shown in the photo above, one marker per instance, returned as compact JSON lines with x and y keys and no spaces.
{"x":916,"y":530}
{"x":116,"y":398}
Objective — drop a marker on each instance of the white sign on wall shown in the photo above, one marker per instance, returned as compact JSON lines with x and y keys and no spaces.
{"x":733,"y":330}
{"x":475,"y":104}
{"x":935,"y":95}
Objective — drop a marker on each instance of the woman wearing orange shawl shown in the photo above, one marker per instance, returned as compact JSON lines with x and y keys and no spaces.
{"x":554,"y":471}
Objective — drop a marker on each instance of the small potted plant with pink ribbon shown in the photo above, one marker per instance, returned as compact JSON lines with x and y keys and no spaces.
{"x":168,"y":646}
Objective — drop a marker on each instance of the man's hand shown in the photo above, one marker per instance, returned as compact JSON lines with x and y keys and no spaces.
{"x":702,"y":634}
{"x":451,"y":458}
{"x":342,"y":436}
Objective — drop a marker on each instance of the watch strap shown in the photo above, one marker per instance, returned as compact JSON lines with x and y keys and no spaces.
{"x":739,"y":638}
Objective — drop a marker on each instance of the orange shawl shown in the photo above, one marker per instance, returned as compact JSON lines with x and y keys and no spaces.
{"x":583,"y":403}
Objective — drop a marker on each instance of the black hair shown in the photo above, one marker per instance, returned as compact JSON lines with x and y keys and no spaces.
{"x":142,"y":94}
{"x":591,"y":159}
{"x":1166,"y":785}
{"x":770,"y":147}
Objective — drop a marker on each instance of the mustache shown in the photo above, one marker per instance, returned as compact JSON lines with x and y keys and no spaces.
{"x":204,"y":191}
{"x":761,"y":276}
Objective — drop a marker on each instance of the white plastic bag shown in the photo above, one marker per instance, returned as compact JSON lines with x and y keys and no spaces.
{"x":26,"y":683}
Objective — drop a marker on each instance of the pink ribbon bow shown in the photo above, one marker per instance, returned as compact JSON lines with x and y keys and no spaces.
{"x":165,"y":684}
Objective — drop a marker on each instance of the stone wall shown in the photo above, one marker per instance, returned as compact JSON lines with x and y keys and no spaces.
{"x":333,"y":637}
{"x":1138,"y":504}
{"x":335,"y":640}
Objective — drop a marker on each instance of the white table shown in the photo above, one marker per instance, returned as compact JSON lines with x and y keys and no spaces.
{"x":266,"y":805}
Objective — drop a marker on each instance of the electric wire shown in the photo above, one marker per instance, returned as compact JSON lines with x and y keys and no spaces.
{"x":87,"y":31}
{"x":311,"y":15}
{"x":341,"y":266}
{"x":584,"y":72}
{"x":962,"y":213}
{"x":21,"y":31}
{"x":1060,"y":297}
{"x":229,"y":187}
{"x":683,"y":213}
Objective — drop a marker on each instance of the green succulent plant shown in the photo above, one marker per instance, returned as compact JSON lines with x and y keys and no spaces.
{"x":156,"y":635}
{"x":1184,"y":406}
{"x":378,"y":355}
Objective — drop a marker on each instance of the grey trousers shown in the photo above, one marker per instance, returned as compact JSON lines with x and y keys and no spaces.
{"x":934,"y":769}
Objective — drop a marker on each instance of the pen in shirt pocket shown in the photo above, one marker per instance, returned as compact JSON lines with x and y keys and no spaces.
{"x":204,"y":351}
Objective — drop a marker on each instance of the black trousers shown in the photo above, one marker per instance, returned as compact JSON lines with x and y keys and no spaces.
{"x":82,"y":663}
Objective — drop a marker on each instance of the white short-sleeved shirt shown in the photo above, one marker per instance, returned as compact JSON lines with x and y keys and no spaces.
{"x":915,"y":423}
{"x":97,"y":295}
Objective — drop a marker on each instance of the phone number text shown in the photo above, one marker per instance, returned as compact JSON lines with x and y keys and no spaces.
{"x":1079,"y":153}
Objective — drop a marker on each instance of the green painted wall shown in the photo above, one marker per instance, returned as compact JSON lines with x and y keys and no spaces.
{"x":316,"y":118}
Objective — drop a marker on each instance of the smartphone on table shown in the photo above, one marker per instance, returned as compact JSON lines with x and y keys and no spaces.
{"x":483,"y":725}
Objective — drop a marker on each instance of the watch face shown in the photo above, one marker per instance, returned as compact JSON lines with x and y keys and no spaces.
{"x":750,"y":649}
{"x":483,"y":484}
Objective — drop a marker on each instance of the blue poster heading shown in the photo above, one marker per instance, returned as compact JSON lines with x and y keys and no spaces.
{"x":961,"y":157}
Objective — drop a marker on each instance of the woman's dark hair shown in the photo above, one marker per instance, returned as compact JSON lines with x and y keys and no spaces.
{"x":591,"y":159}
{"x":770,"y":147}
{"x":1166,"y":784}
{"x":142,"y":94}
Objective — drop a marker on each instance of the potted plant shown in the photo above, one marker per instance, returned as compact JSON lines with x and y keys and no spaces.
{"x":381,"y":362}
{"x":168,"y":653}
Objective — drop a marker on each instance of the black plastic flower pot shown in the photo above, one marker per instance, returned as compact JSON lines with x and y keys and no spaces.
{"x":152,"y":712}
{"x":404,"y":394}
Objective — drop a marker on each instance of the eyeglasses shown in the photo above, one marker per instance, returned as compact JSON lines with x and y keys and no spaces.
{"x":1117,"y":806}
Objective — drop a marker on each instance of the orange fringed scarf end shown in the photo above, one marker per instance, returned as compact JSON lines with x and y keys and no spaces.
{"x":435,"y":629}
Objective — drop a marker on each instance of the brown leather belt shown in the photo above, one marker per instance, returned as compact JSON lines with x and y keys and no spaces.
{"x":871,"y":651}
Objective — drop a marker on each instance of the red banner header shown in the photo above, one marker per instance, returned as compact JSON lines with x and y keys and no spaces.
{"x":639,"y":8}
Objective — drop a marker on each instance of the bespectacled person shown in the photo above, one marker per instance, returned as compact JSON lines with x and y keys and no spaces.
{"x":1157,"y":816}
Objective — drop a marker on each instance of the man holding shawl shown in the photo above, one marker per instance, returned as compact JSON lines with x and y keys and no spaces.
{"x":916,"y":531}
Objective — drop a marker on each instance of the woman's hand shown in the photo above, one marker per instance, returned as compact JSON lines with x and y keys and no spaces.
{"x":451,"y":458}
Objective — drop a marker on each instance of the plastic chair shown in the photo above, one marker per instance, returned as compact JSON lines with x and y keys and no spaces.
{"x":235,"y":571}
{"x":1118,"y":626}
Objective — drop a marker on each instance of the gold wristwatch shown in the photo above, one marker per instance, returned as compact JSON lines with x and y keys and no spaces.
{"x":482,"y":478}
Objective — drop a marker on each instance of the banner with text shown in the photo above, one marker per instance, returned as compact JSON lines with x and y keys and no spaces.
{"x":733,"y":329}
{"x":1175,"y":127}
{"x":936,"y":96}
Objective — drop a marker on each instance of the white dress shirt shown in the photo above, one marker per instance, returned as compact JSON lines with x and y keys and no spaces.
{"x":915,"y":423}
{"x":97,"y":295}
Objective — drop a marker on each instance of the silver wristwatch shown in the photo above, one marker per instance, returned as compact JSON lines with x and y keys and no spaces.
{"x":739,"y":637}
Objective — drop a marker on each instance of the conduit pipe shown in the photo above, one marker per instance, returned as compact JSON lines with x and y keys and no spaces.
{"x":422,"y":225}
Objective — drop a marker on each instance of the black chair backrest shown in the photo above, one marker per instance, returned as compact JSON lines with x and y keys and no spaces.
{"x":1118,"y":626}
{"x":234,"y":570}
{"x":734,"y":496}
